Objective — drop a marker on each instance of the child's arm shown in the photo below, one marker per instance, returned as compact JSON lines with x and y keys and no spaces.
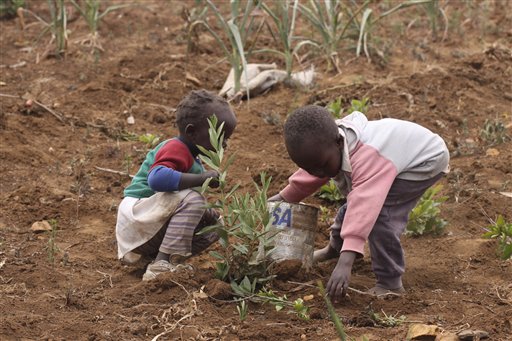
{"x":169,"y":171}
{"x":301,"y":185}
{"x":164,"y":179}
{"x":372,"y":177}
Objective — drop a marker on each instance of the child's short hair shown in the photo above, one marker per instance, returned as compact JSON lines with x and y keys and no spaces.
{"x":194,"y":108}
{"x":309,"y":122}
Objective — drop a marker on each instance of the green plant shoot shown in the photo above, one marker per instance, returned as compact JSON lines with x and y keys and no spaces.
{"x":330,"y":192}
{"x":51,"y":247}
{"x":244,"y":232}
{"x":501,"y":231}
{"x":424,"y":218}
{"x":237,"y":29}
{"x":340,"y":330}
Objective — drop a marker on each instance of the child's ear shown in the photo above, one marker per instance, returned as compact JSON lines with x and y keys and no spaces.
{"x":339,"y":141}
{"x":190,"y":131}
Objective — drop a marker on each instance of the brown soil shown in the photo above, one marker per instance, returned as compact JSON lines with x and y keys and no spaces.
{"x":49,"y":171}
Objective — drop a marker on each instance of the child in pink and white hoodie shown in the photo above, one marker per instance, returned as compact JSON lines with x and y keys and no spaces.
{"x":383,"y":167}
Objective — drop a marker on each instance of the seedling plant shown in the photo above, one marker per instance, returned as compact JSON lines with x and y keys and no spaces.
{"x":238,"y":28}
{"x":368,"y":23}
{"x":337,"y":111}
{"x":56,"y":26}
{"x":245,"y":234}
{"x":196,"y":14}
{"x":283,"y":16}
{"x":51,"y":247}
{"x":424,"y":218}
{"x":501,"y":231}
{"x":245,"y":231}
{"x":330,"y":192}
{"x":494,"y":132}
{"x":90,"y":11}
{"x":326,"y":17}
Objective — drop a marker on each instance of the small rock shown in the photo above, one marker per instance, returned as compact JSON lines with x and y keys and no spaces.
{"x":308,"y":297}
{"x":423,"y":332}
{"x":492,"y":152}
{"x":193,"y":79}
{"x":41,"y":226}
{"x":470,"y":335}
{"x":130,"y":120}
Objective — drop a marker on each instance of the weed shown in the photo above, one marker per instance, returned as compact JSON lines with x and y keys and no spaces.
{"x":243,"y":309}
{"x":280,"y":302}
{"x":494,"y":132}
{"x":51,"y":247}
{"x":247,"y":290}
{"x":150,"y":140}
{"x":127,"y":163}
{"x":424,"y":218}
{"x":325,"y":213}
{"x":386,"y":320}
{"x":502,"y":231}
{"x":433,"y":11}
{"x":330,"y":192}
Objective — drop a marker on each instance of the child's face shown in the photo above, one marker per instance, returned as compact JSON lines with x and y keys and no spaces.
{"x":321,"y":159}
{"x":224,"y":114}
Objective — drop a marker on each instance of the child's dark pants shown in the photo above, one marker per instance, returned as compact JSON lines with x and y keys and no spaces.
{"x":386,"y":251}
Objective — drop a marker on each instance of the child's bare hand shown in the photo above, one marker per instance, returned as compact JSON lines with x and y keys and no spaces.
{"x":276,"y":197}
{"x":214,"y":175}
{"x":340,"y":277}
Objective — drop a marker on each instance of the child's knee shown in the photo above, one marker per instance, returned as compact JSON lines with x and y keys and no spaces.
{"x":195,"y":199}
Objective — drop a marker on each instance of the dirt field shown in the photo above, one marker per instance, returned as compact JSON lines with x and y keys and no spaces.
{"x":49,"y":170}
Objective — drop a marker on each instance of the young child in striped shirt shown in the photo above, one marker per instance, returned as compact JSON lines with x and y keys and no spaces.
{"x":161,"y":212}
{"x":383,"y":167}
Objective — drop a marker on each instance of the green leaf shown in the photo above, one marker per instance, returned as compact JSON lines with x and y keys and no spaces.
{"x":216,"y":255}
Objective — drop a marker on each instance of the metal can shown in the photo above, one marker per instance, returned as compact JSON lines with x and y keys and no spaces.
{"x":294,"y":227}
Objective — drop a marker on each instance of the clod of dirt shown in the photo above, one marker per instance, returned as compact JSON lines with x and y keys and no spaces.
{"x":218,"y":289}
{"x":286,"y":269}
{"x":167,"y":281}
{"x":447,"y":337}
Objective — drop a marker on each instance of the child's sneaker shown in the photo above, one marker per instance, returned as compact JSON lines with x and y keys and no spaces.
{"x":380,"y":292}
{"x":161,"y":266}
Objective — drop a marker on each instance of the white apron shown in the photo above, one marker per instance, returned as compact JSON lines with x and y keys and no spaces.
{"x":138,"y":220}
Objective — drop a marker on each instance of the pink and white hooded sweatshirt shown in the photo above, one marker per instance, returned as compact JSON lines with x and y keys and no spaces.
{"x":374,"y":154}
